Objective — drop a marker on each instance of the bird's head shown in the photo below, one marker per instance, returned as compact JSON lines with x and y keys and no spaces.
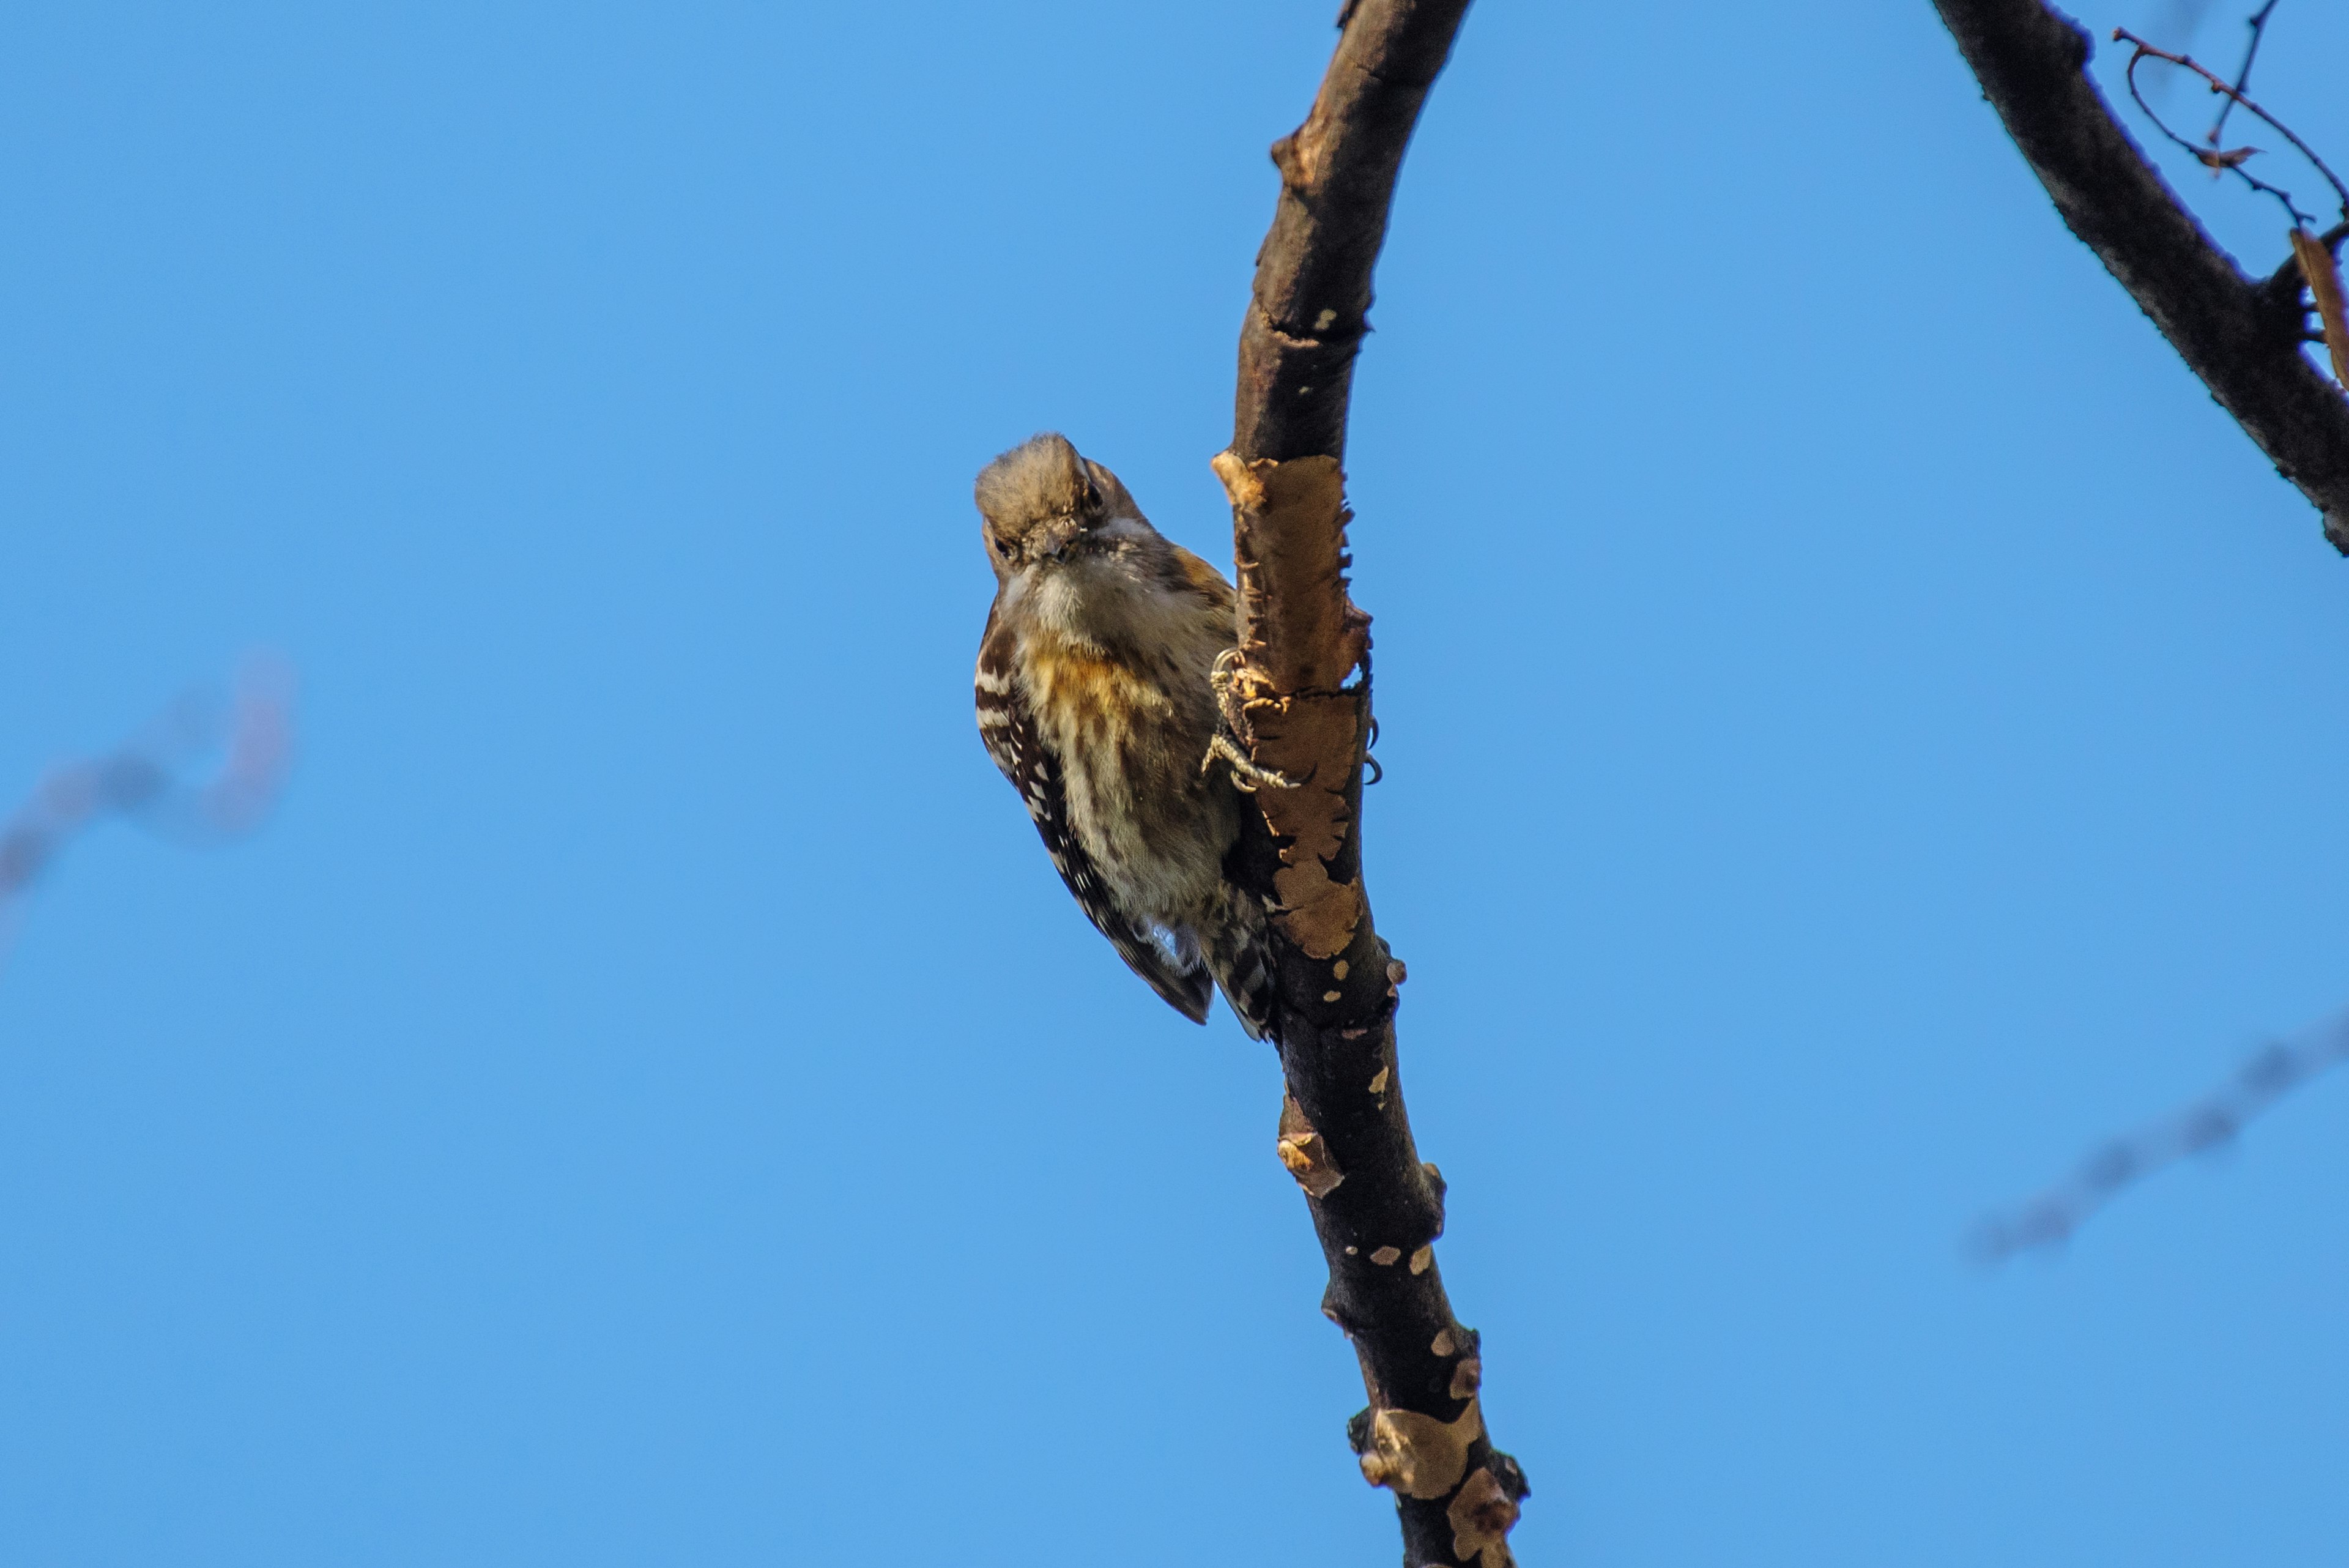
{"x":1044,"y":505}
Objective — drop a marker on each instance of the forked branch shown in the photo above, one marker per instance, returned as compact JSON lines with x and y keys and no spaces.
{"x":1300,"y":694}
{"x":2243,"y":337}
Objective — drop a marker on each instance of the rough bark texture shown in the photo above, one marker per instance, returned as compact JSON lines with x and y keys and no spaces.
{"x":1312,"y":296}
{"x":1300,"y":703}
{"x":2242,"y":336}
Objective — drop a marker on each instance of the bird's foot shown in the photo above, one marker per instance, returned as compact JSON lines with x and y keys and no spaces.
{"x":1246,"y":776}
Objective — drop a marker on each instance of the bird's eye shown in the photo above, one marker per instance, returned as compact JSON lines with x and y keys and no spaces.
{"x":1003,"y":548}
{"x":1092,"y":494}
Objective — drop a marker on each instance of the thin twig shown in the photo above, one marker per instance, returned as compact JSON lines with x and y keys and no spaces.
{"x":2207,"y":1123}
{"x":2227,"y":160}
{"x":2217,"y":162}
{"x":2259,"y":24}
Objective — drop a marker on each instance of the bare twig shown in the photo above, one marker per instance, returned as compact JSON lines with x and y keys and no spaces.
{"x":2207,"y":1123}
{"x":141,"y":780}
{"x":2259,"y":26}
{"x":2241,"y":335}
{"x":2230,"y":161}
{"x":1302,"y":682}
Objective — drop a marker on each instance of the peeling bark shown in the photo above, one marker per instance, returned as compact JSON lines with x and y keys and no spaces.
{"x":2242,"y":336}
{"x":1300,"y":698}
{"x":2316,"y":264}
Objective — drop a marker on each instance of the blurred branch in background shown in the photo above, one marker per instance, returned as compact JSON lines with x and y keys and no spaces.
{"x":149,"y":778}
{"x":2207,"y":1123}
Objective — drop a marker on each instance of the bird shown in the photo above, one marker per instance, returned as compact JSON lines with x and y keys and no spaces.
{"x":1097,"y":692}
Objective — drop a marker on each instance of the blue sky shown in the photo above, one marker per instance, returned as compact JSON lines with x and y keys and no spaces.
{"x":1859,"y":725}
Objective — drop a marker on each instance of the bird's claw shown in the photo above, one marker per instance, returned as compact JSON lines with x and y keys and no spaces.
{"x":1246,"y":777}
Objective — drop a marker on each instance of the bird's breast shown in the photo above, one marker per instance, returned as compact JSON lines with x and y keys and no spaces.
{"x":1131,"y":732}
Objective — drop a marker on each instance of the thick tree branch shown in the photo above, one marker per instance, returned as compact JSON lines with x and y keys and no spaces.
{"x":2241,"y":337}
{"x":1300,"y":702}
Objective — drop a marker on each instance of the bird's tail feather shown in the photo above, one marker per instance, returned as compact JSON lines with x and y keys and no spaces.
{"x":1240,"y":956}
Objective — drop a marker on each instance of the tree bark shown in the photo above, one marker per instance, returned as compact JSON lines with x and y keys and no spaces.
{"x":1301,"y":704}
{"x":2242,"y":336}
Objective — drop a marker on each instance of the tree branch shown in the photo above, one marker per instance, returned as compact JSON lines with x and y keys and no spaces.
{"x":1312,"y":296}
{"x":2241,"y":337}
{"x":1300,"y":702}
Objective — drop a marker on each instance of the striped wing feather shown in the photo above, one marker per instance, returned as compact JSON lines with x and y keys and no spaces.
{"x":1015,"y":743}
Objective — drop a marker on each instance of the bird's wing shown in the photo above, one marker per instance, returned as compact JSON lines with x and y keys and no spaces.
{"x":1012,"y":739}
